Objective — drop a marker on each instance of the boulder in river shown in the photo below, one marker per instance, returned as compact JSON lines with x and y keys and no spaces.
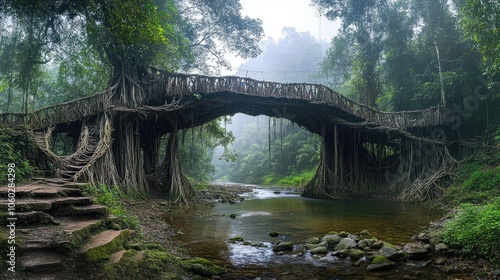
{"x":441,"y":248}
{"x":236,"y":239}
{"x":345,"y":243}
{"x":380,"y":263}
{"x":415,"y":251}
{"x":366,"y":243}
{"x":312,"y":240}
{"x":393,"y":254}
{"x":364,"y":233}
{"x":355,"y":254}
{"x":377,"y":245}
{"x":283,"y":246}
{"x":274,"y":234}
{"x":319,"y":250}
{"x":330,"y":241}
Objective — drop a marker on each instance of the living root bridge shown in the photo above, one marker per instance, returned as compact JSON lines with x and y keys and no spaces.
{"x":127,"y":135}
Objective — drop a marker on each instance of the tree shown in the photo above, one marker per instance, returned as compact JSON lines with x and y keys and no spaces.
{"x":361,"y":24}
{"x":481,"y":21}
{"x":215,"y":27}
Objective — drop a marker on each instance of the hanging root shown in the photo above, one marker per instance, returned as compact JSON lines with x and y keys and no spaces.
{"x":435,"y":167}
{"x":168,"y":178}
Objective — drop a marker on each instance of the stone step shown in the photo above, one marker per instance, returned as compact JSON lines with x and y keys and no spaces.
{"x":62,"y":206}
{"x":28,"y":204}
{"x":33,"y":217}
{"x":56,"y":181}
{"x":42,"y":261}
{"x":104,"y":244}
{"x":41,"y":190}
{"x":89,"y":210}
{"x":58,"y":237}
{"x":92,"y":210}
{"x":75,"y":185}
{"x":82,"y":200}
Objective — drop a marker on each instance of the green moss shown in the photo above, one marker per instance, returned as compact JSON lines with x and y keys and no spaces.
{"x":380,"y":260}
{"x":78,"y":238}
{"x":154,"y":246}
{"x":104,"y":251}
{"x":158,"y":264}
{"x":236,"y":239}
{"x":202,"y":267}
{"x":149,"y":264}
{"x":387,"y":244}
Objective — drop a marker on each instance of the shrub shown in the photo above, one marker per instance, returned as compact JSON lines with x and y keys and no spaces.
{"x":475,"y":231}
{"x":112,"y":198}
{"x":483,"y":180}
{"x":11,"y":151}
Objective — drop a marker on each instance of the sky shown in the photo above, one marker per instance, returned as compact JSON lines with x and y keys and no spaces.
{"x":276,"y":14}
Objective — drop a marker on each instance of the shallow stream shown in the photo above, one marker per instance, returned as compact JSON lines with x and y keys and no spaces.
{"x":206,"y":232}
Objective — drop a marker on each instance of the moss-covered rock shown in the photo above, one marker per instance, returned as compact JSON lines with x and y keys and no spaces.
{"x":380,"y":263}
{"x":236,"y":239}
{"x":345,"y":243}
{"x":148,"y":264}
{"x":283,"y":246}
{"x":415,"y":251}
{"x":355,"y":254}
{"x":319,"y":250}
{"x":104,"y":244}
{"x":312,"y":240}
{"x":202,"y":267}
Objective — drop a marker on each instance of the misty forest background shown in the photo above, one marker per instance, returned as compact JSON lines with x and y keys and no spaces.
{"x":396,"y":55}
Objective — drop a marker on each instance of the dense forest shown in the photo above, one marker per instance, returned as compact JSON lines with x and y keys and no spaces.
{"x":392,"y":55}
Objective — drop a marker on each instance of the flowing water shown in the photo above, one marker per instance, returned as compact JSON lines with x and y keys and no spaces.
{"x":206,"y":232}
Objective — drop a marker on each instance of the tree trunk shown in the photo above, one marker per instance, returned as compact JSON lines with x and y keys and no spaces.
{"x":441,"y":79}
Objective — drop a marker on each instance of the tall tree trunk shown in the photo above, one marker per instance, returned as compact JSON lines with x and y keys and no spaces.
{"x":441,"y":79}
{"x":127,"y":152}
{"x":178,"y":188}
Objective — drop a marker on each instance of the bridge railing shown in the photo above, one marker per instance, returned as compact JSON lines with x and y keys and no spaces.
{"x":169,"y":85}
{"x":69,"y":111}
{"x":179,"y":84}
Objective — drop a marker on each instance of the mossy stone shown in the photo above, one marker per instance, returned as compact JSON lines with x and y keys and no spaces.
{"x":355,"y":254}
{"x":202,"y":267}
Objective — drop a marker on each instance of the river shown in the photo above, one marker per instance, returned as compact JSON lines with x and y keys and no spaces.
{"x":206,"y":232}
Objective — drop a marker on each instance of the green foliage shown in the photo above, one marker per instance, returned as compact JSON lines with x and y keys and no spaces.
{"x":476,"y":181}
{"x":299,"y":179}
{"x":269,"y":153}
{"x":197,"y":149}
{"x":475,"y":230}
{"x":482,"y":25}
{"x":135,"y":32}
{"x":483,"y":180}
{"x":12,"y":150}
{"x":112,"y":198}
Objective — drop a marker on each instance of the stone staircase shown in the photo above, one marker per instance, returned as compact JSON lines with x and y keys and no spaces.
{"x":60,"y":233}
